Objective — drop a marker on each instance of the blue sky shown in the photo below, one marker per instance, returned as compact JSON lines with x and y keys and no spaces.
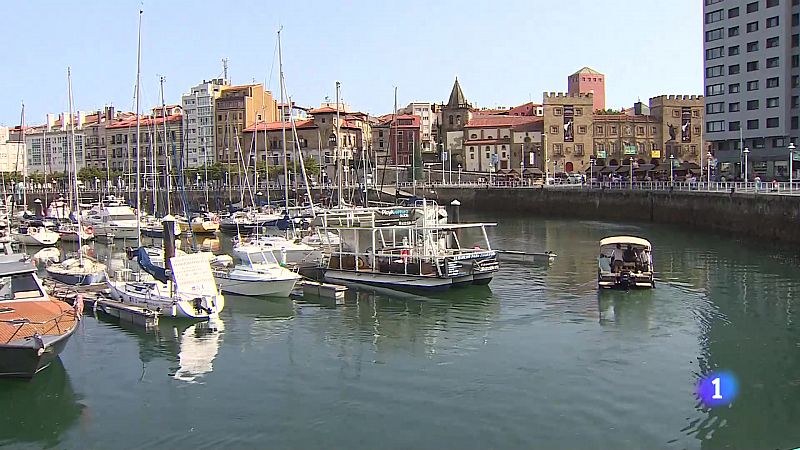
{"x":504,"y":53}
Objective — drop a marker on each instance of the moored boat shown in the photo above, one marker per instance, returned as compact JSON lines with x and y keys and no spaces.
{"x":78,"y":271}
{"x":34,"y":328}
{"x":263,"y":278}
{"x":625,"y":262}
{"x":31,"y":234}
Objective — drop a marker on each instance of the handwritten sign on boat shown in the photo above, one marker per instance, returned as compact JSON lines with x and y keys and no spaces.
{"x":192,"y":274}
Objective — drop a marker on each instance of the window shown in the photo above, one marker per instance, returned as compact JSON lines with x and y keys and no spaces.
{"x":733,"y":31}
{"x":795,"y":61}
{"x":773,"y":102}
{"x":733,"y":12}
{"x":772,"y":62}
{"x":711,"y":53}
{"x":771,"y":3}
{"x":578,"y":111}
{"x":752,"y":27}
{"x":714,"y":71}
{"x":733,"y":126}
{"x":794,"y":122}
{"x":795,"y":19}
{"x":773,"y":82}
{"x":711,"y":2}
{"x":772,"y":22}
{"x":752,"y":46}
{"x":773,"y":42}
{"x":752,"y":85}
{"x":713,"y":35}
{"x":554,"y":129}
{"x":733,"y":107}
{"x":733,"y":69}
{"x":795,"y":40}
{"x":795,"y":81}
{"x":557,"y":111}
{"x":773,"y":122}
{"x":715,"y":108}
{"x":582,"y":129}
{"x":715,"y":126}
{"x":733,"y":50}
{"x":714,"y":16}
{"x":752,"y":66}
{"x":752,"y":7}
{"x":752,"y":124}
{"x":714,"y":89}
{"x":752,"y":105}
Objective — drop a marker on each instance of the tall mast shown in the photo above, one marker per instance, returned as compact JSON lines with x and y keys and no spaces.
{"x":283,"y":130}
{"x":166,"y":153}
{"x":153,"y":140}
{"x":74,"y":161}
{"x":337,"y":150}
{"x":396,"y":136}
{"x":138,"y":131}
{"x":24,"y":162}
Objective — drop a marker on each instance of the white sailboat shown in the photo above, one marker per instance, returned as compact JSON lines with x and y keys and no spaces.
{"x":81,"y":270}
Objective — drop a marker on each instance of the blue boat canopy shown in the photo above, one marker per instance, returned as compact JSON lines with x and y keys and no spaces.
{"x":159,"y":273}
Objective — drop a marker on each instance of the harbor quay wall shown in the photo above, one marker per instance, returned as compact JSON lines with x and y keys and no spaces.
{"x":771,"y":217}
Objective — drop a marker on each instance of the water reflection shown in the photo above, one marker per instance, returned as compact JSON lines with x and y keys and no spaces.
{"x":38,"y":410}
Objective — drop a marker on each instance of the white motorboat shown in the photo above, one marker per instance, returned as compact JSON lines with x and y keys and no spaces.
{"x":32,"y":235}
{"x":204,"y":223}
{"x":625,"y":262}
{"x":317,"y":239}
{"x":285,"y":251}
{"x":119,"y":222}
{"x":190,"y":292}
{"x":263,"y":278}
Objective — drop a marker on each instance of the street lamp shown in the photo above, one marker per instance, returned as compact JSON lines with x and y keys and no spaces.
{"x":671,"y":167}
{"x":791,"y":161}
{"x":745,"y":152}
{"x":591,"y":169}
{"x":459,"y":173}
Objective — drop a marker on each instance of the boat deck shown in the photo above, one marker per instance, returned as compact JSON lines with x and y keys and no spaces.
{"x":20,"y":319}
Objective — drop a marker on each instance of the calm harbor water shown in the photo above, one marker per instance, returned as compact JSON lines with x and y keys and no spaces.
{"x":535,"y":360}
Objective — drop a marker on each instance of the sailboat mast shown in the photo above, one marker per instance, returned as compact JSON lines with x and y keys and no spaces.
{"x":74,"y":161}
{"x":138,"y":133}
{"x":24,"y":162}
{"x":339,"y":183}
{"x":153,"y":129}
{"x":166,"y":153}
{"x":283,"y":130}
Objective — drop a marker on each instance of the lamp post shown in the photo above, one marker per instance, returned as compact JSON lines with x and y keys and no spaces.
{"x":459,"y":173}
{"x":745,"y":152}
{"x":791,"y":161}
{"x":671,"y":167}
{"x":591,"y":170}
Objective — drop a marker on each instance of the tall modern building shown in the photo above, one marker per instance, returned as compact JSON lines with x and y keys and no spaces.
{"x":198,"y":111}
{"x":752,"y":84}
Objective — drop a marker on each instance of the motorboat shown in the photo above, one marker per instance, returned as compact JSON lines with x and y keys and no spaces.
{"x":625,"y":262}
{"x":265,"y":277}
{"x":114,"y":222}
{"x":423,"y":253}
{"x":286,"y":251}
{"x":35,"y":234}
{"x":249,"y":220}
{"x":34,"y":328}
{"x":69,"y":232}
{"x":205,"y":223}
{"x":152,"y":228}
{"x":78,"y":271}
{"x":316,"y":239}
{"x":187,"y":291}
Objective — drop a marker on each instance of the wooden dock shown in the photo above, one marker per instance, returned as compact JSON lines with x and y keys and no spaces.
{"x":96,"y":299}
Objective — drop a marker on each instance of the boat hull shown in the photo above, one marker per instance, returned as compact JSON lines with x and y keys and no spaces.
{"x":396,"y":281}
{"x":77,"y":279}
{"x":206,"y":227}
{"x":112,"y":232}
{"x":40,"y":240}
{"x":24,"y":360}
{"x":271,"y":288}
{"x":132,"y":294}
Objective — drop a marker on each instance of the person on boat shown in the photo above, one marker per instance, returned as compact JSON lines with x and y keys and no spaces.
{"x":605,"y":262}
{"x":629,"y":256}
{"x":617,"y":258}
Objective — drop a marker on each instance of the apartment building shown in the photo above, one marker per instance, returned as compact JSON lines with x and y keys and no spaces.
{"x":198,"y":121}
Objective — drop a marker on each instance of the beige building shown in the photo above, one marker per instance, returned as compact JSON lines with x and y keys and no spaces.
{"x":237,"y":108}
{"x":680,"y":127}
{"x":489,"y":141}
{"x":567,"y":134}
{"x":12,"y":152}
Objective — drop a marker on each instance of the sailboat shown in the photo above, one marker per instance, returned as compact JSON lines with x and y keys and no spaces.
{"x":183,"y":286}
{"x":81,"y":270}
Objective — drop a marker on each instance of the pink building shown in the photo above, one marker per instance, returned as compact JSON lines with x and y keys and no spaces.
{"x":587,"y":81}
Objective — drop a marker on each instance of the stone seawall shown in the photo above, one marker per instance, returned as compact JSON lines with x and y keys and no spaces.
{"x":769,"y":217}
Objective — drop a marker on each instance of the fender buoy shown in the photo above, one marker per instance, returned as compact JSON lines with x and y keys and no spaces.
{"x":33,"y":230}
{"x":404,"y":254}
{"x":89,"y":229}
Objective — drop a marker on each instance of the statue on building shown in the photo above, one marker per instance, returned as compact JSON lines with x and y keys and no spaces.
{"x":672,"y":132}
